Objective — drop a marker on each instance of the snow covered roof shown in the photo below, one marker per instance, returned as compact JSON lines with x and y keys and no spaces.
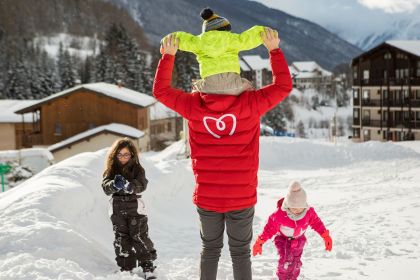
{"x":309,"y":66}
{"x":244,"y":66}
{"x":8,"y":108}
{"x":116,"y":128}
{"x":159,"y":111}
{"x":114,"y":91}
{"x":256,"y":62}
{"x":412,"y":47}
{"x":306,"y":66}
{"x":306,"y":75}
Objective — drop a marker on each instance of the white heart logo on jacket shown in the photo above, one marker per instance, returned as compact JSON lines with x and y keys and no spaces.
{"x":220,"y":124}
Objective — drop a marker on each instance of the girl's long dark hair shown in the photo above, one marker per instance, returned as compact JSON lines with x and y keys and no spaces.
{"x":111,"y":163}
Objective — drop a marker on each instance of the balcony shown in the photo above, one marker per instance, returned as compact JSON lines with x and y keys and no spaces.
{"x":391,"y":124}
{"x":391,"y":103}
{"x":31,"y":139}
{"x":356,"y":121}
{"x":384,"y":82}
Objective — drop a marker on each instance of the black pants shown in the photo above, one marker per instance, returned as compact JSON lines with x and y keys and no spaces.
{"x":132,"y":242}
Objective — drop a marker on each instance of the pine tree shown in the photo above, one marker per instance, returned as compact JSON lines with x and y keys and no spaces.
{"x":300,"y":130}
{"x":66,"y":69}
{"x":186,"y":70}
{"x":276,"y":117}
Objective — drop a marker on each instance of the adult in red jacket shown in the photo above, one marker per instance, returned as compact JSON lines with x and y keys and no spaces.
{"x":224,"y":140}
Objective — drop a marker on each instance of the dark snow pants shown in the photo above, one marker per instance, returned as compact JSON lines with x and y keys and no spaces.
{"x":132,"y":243}
{"x":239,"y":231}
{"x":290,"y":252}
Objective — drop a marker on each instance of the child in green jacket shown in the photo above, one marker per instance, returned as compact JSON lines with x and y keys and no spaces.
{"x":216,"y":49}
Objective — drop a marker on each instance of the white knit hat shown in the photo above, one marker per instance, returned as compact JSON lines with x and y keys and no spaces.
{"x":295,"y":198}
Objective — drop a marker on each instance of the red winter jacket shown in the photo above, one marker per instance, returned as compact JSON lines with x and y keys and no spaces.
{"x":224,"y":134}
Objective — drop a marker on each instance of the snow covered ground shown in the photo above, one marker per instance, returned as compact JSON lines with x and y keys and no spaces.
{"x":56,"y":225}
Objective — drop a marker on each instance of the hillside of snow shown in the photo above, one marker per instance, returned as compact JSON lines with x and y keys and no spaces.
{"x":56,"y":225}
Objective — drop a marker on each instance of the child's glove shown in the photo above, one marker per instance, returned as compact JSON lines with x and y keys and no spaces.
{"x":119,"y":182}
{"x":327,"y":239}
{"x":257,"y":248}
{"x":128,"y":188}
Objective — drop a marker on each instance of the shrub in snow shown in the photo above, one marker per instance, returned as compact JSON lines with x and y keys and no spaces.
{"x":18,"y":174}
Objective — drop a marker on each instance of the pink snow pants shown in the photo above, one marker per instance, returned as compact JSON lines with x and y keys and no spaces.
{"x":290,"y":252}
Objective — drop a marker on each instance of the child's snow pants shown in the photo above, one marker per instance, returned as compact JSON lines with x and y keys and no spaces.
{"x":132,"y":243}
{"x":290,"y":251}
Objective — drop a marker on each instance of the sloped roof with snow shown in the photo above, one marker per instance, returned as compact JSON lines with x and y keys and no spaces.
{"x":159,"y":111}
{"x":244,"y":66}
{"x":309,"y":66}
{"x":256,"y":62}
{"x":8,"y":108}
{"x":114,"y":91}
{"x":115,"y":128}
{"x":412,"y":47}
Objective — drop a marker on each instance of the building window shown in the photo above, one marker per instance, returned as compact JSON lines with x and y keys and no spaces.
{"x":91,"y":125}
{"x":366,"y":94}
{"x":385,"y":116}
{"x":366,"y":133}
{"x":355,"y":72}
{"x":356,"y":113}
{"x":355,"y":93}
{"x":356,"y":132}
{"x":418,"y":116}
{"x":387,"y":56}
{"x":406,"y":116}
{"x":57,"y":131}
{"x":366,"y":74}
{"x":385,"y":92}
{"x":366,"y":114}
{"x":385,"y":74}
{"x":417,"y":94}
{"x":169,"y":126}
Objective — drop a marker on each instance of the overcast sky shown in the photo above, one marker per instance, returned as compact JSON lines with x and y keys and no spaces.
{"x":351,"y":18}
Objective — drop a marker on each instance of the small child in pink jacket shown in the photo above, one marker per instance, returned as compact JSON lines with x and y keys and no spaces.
{"x":289,"y":223}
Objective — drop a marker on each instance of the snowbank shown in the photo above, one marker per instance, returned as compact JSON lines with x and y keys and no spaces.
{"x":56,"y":225}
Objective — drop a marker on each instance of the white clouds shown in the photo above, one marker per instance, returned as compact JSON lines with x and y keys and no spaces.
{"x":391,"y":6}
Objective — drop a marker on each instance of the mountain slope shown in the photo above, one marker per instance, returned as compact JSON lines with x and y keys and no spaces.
{"x":51,"y":17}
{"x":301,"y":39}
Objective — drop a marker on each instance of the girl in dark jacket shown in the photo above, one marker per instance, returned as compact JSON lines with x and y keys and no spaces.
{"x":124,"y":178}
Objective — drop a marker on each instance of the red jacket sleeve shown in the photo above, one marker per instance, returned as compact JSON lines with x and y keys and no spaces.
{"x":269,"y":96}
{"x":316,"y":223}
{"x":176,"y":99}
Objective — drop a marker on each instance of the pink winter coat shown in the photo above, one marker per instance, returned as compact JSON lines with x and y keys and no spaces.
{"x":280,"y":223}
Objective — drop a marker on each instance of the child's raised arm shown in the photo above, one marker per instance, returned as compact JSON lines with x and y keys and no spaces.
{"x":176,"y":99}
{"x":247,"y":40}
{"x":188,"y":42}
{"x":269,"y":96}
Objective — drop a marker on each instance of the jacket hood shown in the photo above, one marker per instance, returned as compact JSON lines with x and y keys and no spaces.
{"x":217,"y":102}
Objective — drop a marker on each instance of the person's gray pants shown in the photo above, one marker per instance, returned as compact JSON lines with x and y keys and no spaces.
{"x":239,"y":231}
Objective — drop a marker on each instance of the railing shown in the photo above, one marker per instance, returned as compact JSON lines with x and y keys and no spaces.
{"x":392,"y":123}
{"x":356,"y":121}
{"x":391,"y":103}
{"x":31,"y":139}
{"x":384,"y":82}
{"x":371,"y":102}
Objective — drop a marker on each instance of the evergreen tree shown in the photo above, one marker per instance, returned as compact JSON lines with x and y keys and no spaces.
{"x":300,"y":130}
